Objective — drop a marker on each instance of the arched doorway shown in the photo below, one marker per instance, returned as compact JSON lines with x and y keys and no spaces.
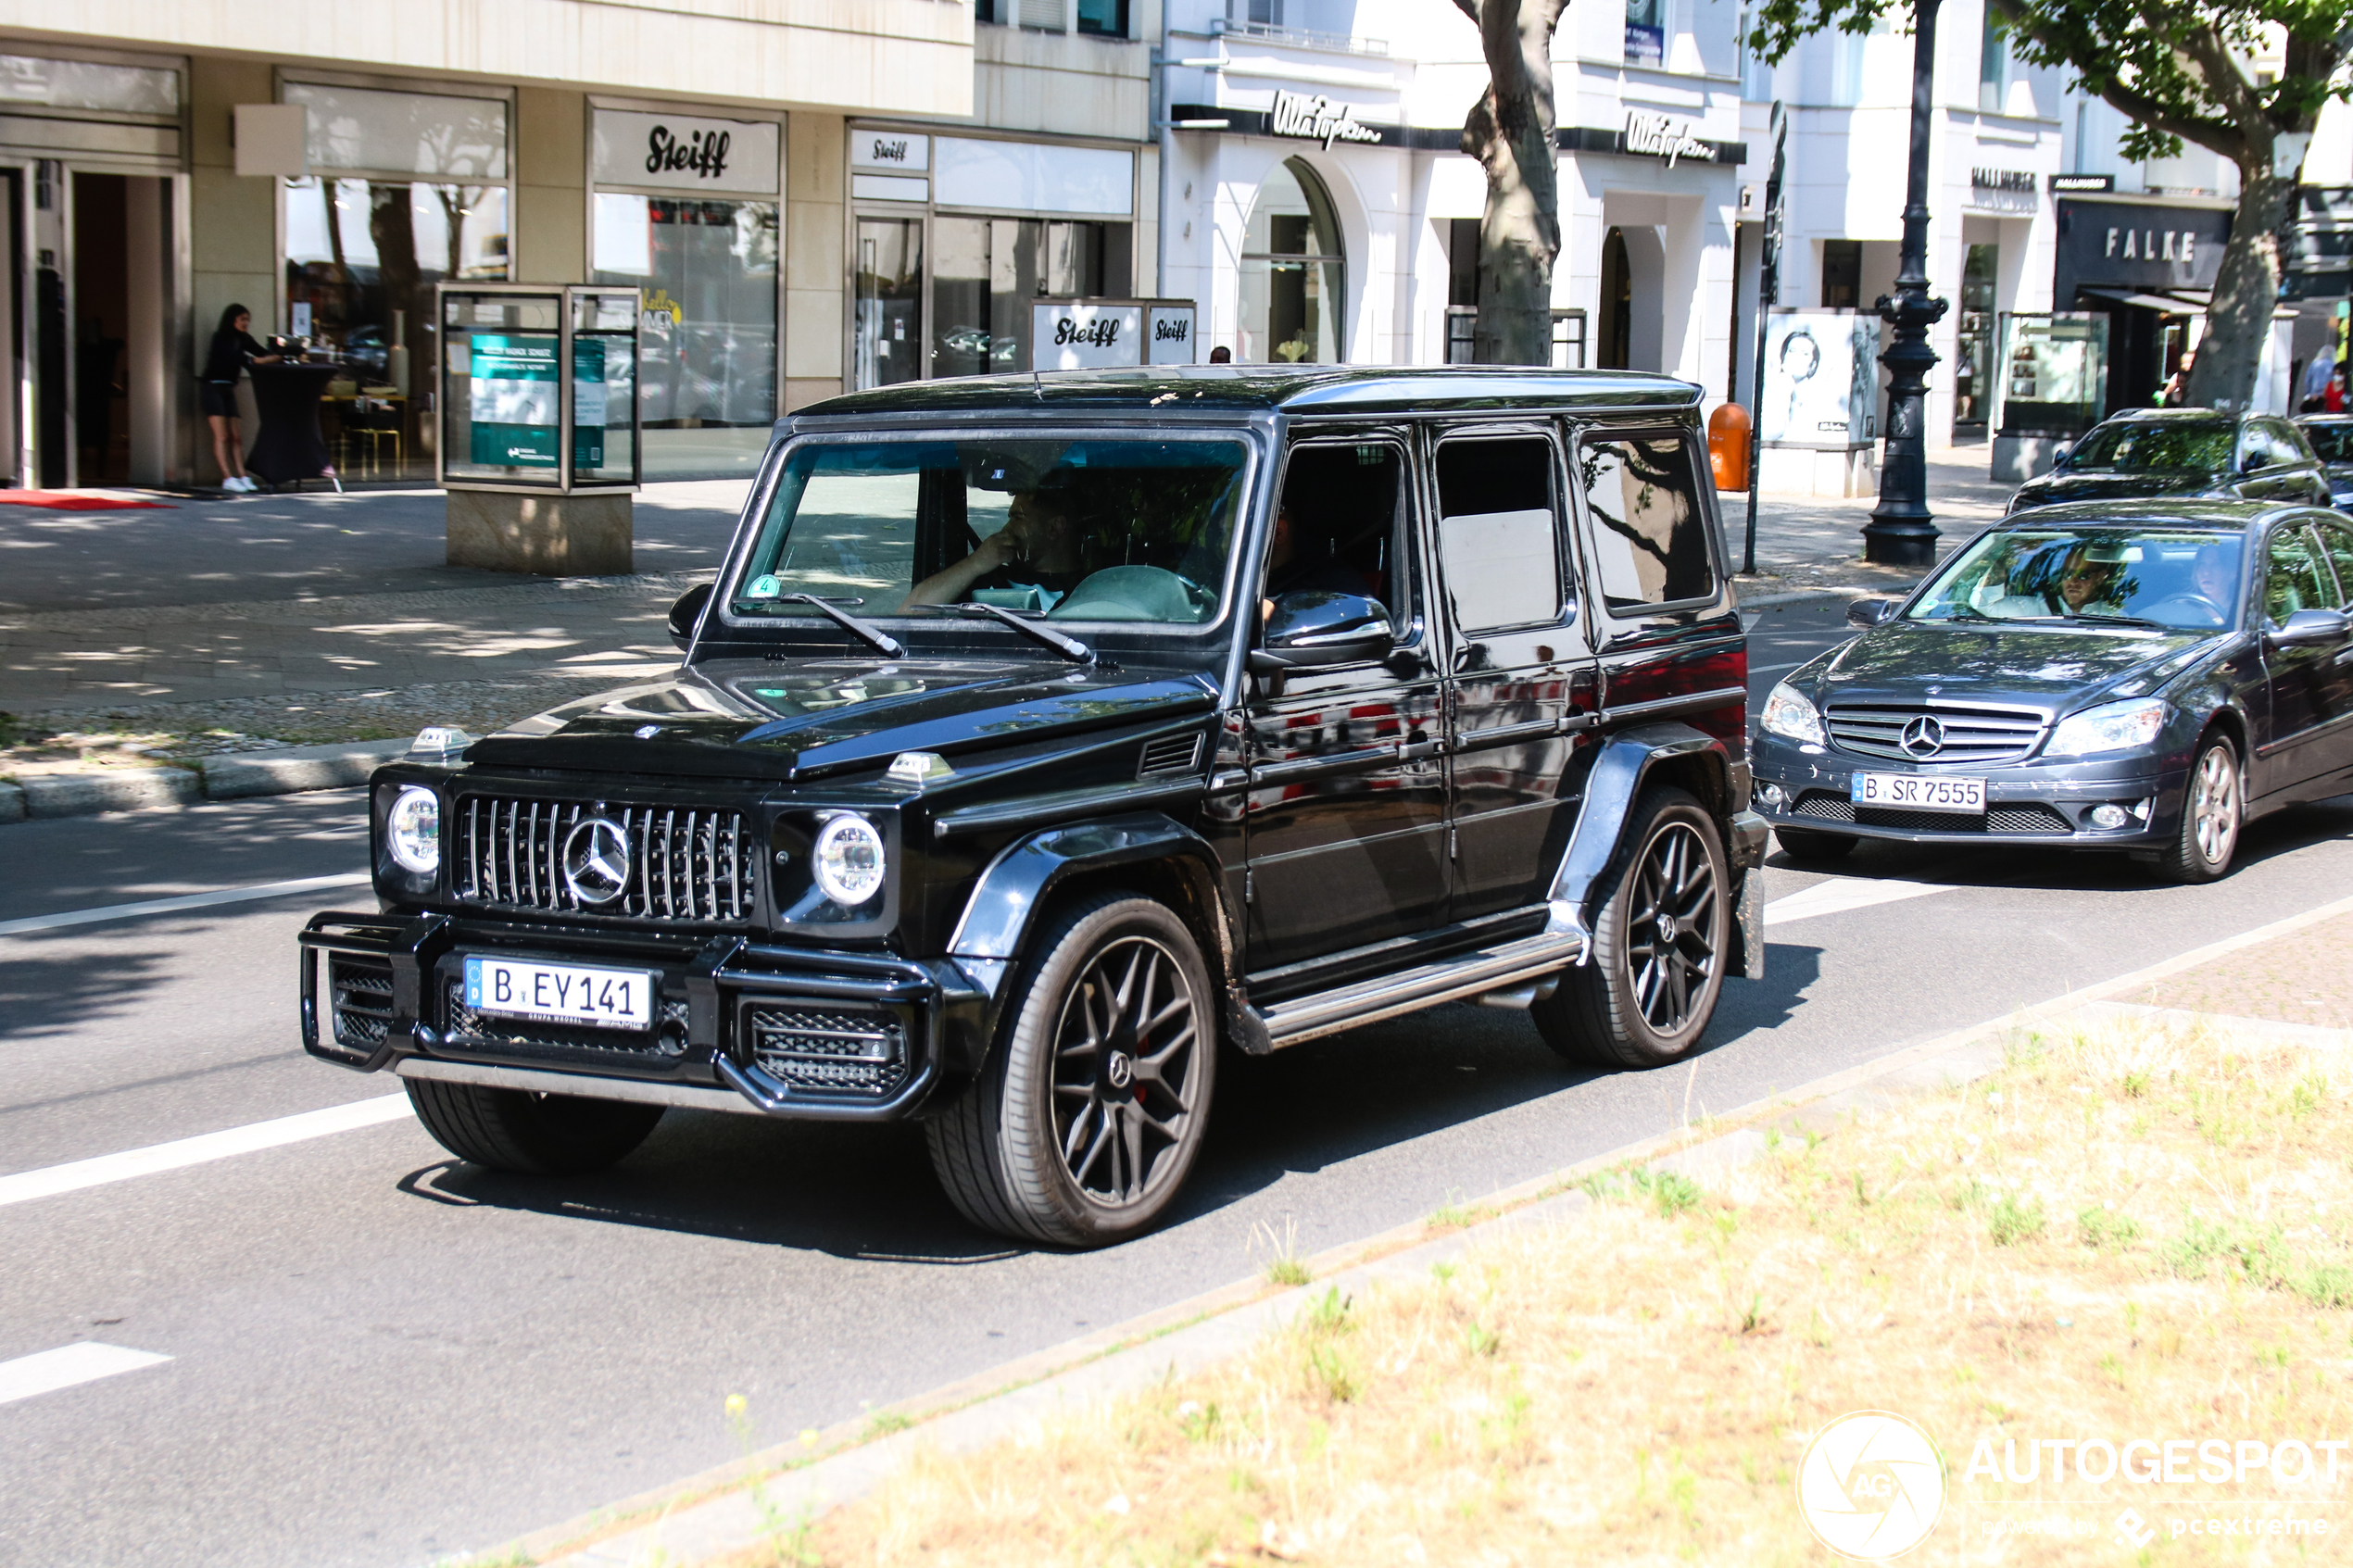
{"x":1293,"y":273}
{"x":1615,"y":349}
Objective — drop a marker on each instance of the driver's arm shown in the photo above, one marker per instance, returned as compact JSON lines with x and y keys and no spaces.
{"x":950,"y":584}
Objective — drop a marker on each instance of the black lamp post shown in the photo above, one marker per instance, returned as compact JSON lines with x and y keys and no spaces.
{"x":1902,"y":532}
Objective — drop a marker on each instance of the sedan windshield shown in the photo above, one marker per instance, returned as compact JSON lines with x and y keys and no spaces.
{"x":2132,"y":447}
{"x":2181,"y":581}
{"x":2331,"y":443}
{"x":1072,"y":529}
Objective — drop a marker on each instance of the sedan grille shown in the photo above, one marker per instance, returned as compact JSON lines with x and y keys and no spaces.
{"x":2021,"y":817}
{"x":1913,"y":733}
{"x":686,"y":864}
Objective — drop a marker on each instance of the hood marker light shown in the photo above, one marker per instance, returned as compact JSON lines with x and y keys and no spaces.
{"x":920,"y":767}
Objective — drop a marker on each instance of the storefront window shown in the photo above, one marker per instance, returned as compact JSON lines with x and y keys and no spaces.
{"x":1292,"y":272}
{"x":984,"y":272}
{"x":1973,"y":357}
{"x":889,"y":322}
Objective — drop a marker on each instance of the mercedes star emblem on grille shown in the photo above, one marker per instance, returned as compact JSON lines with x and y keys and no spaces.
{"x":1925,"y":737}
{"x":647,"y":732}
{"x":597,"y":860}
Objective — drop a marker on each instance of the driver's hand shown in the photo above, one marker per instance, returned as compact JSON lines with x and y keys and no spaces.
{"x":1003,"y":547}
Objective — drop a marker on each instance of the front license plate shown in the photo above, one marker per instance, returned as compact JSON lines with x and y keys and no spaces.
{"x":562,"y":993}
{"x":1917,"y":792}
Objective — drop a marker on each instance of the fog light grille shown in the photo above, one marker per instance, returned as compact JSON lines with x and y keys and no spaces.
{"x":360,"y":991}
{"x":843,"y":1050}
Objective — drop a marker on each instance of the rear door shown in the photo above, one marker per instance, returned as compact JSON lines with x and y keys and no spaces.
{"x":2308,"y":697}
{"x":1516,"y":662}
{"x":2336,"y":548}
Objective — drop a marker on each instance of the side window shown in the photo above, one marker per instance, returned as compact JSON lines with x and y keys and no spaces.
{"x":1341,"y":527}
{"x":1498,"y":537}
{"x":2295,"y":579}
{"x":1650,"y":538}
{"x":2287,"y":442}
{"x":2337,"y":539}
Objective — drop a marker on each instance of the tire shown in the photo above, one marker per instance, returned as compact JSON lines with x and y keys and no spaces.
{"x":536,"y":1135}
{"x":1060,"y":1140}
{"x":2213,"y":815}
{"x":1812,"y":849}
{"x":1633,"y":1004}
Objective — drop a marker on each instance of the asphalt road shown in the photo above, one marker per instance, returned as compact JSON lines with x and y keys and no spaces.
{"x":377,"y":1357}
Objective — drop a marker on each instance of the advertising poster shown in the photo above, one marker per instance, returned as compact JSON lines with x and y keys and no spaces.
{"x":514,"y":401}
{"x":1821,"y":379}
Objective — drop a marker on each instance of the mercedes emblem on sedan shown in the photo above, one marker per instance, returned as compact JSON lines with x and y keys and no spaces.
{"x":1925,"y":737}
{"x":597,"y":860}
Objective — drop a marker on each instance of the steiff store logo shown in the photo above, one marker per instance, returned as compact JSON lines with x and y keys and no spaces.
{"x":1870,"y":1485}
{"x":1659,"y":135}
{"x":704,"y":152}
{"x":677,"y":152}
{"x":892,"y":152}
{"x":1317,"y":119}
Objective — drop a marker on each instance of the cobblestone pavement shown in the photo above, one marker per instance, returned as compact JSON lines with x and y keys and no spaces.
{"x":2305,"y":977}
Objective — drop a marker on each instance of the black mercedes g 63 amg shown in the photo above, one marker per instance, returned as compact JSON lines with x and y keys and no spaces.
{"x":1041,"y":738}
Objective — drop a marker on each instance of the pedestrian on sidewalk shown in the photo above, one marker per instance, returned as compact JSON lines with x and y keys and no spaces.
{"x":233,"y":349}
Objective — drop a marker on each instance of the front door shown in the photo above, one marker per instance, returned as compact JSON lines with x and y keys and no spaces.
{"x":2311,"y":686}
{"x":1516,"y":663}
{"x":1345,"y":824}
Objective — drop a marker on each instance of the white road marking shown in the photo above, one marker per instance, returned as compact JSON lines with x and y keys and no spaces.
{"x":62,"y":1368}
{"x":185,"y":902}
{"x":1840,"y":894}
{"x":49,"y":1181}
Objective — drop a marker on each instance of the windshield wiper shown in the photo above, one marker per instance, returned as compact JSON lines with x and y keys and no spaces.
{"x":891,"y":646}
{"x":1069,"y":648}
{"x":1961,"y":612}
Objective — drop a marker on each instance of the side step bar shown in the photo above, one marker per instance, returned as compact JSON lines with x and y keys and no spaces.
{"x":1504,"y":967}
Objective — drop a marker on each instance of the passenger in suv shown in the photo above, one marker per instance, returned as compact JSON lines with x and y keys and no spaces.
{"x":1301,"y":699}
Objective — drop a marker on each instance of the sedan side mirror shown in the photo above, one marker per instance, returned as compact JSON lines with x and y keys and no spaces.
{"x":1871,"y":612}
{"x":2252,"y":462}
{"x":2061,"y":453}
{"x":1313,"y":629}
{"x":2310,"y":628}
{"x":687,"y":612}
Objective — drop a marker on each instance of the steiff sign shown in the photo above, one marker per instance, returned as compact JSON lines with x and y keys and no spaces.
{"x":1317,"y":118}
{"x":889,"y":152}
{"x":668,"y":152}
{"x":1098,"y":334}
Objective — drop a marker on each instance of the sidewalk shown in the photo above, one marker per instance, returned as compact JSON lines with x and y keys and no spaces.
{"x":1814,"y":542}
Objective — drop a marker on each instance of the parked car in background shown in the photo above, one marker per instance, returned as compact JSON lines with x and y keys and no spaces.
{"x":2330,"y":438}
{"x":2181,"y":452}
{"x":1043,"y":735}
{"x":2135,"y":675}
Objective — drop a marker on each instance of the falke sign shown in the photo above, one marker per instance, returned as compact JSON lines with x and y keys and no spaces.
{"x":1317,"y":118}
{"x":2136,"y":244}
{"x":1659,"y":135}
{"x":666,"y":152}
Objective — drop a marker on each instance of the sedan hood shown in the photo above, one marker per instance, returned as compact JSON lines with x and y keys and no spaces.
{"x":2052,"y":669}
{"x":2055,"y":488}
{"x":753,"y":718}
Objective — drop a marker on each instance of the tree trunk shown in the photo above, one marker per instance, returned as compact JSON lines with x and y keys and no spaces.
{"x":2238,"y":321}
{"x":1510,"y":131}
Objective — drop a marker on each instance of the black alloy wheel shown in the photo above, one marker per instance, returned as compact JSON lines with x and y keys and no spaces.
{"x":1091,"y":1111}
{"x":1646,"y":994}
{"x":2213,"y":811}
{"x":1807,"y":847}
{"x":533,"y":1134}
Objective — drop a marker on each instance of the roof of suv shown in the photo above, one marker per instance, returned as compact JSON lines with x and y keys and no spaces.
{"x":1321,"y":389}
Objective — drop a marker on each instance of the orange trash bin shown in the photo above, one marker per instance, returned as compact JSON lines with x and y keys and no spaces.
{"x":1728,"y":433}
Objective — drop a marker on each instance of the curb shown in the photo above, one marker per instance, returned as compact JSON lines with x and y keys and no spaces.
{"x":236,"y":776}
{"x":738,"y":1507}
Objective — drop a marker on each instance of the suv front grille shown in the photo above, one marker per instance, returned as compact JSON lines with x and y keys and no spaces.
{"x":1970,"y":734}
{"x":686,"y":864}
{"x":360,"y":990}
{"x":845,"y":1050}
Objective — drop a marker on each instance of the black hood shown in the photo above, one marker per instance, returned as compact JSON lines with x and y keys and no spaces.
{"x":2052,"y":669}
{"x":753,"y":718}
{"x":2053,"y":489}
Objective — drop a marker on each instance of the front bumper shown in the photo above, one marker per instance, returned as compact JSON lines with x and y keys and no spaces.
{"x":2048,"y":803}
{"x":819,"y":1034}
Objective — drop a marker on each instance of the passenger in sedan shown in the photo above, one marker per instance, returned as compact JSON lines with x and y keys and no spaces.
{"x":2087,"y":584}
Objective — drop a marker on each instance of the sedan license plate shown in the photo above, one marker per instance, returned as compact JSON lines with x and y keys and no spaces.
{"x":1917,"y":792}
{"x":562,"y":993}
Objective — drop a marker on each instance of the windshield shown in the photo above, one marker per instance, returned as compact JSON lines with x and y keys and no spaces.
{"x":2133,"y":448}
{"x":1087,"y":530}
{"x":2331,"y":443}
{"x":2181,"y":581}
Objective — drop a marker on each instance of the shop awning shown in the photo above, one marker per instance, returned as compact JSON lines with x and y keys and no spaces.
{"x":2170,"y":305}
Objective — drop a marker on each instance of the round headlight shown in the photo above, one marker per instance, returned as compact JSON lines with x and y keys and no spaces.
{"x":412,"y":830}
{"x":848,"y":860}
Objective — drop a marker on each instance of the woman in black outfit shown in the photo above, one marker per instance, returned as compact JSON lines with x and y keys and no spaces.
{"x":233,"y":350}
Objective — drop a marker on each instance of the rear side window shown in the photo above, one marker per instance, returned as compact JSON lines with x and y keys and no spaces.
{"x":1498,"y":542}
{"x":2337,"y":539}
{"x":1649,"y":537}
{"x":2295,"y":579}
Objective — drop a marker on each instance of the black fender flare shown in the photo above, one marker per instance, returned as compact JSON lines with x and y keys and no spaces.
{"x":1615,"y":781}
{"x":994,"y":931}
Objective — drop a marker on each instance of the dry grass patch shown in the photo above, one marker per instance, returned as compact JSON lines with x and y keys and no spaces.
{"x":2119,"y":1235}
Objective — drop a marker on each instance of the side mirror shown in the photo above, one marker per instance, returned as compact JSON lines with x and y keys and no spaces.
{"x":687,"y":612}
{"x":1871,"y":612}
{"x":1313,"y":629}
{"x":2310,"y":628}
{"x":2061,"y":453}
{"x":2252,"y":462}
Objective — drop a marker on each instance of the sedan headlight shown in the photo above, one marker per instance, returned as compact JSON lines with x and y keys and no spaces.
{"x":412,"y":830}
{"x":848,"y":860}
{"x":1790,"y":716}
{"x":2114,"y":726}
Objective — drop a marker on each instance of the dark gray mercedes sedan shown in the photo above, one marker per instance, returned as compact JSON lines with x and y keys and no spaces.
{"x":2137,"y":675}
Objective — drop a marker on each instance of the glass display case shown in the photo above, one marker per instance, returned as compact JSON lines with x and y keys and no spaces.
{"x":2052,"y":376}
{"x":538,"y":387}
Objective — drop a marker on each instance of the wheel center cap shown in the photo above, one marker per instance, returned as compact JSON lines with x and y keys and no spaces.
{"x":1667,"y":928}
{"x":1120,"y":1071}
